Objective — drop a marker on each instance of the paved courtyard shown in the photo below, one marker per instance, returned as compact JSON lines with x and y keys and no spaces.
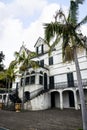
{"x":52,"y":119}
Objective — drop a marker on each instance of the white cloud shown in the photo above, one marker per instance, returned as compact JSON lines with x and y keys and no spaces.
{"x":12,"y":31}
{"x":25,"y":8}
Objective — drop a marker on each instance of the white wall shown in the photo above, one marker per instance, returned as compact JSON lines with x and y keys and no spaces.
{"x":41,"y":102}
{"x":33,"y":89}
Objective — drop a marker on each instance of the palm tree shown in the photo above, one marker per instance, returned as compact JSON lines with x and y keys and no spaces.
{"x":67,"y":30}
{"x":10,"y":73}
{"x":9,"y":76}
{"x":25,"y":61}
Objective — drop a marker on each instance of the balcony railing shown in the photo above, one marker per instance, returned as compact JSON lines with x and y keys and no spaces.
{"x":62,"y":85}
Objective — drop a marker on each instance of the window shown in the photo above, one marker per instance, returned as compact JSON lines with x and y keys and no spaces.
{"x":33,"y":72}
{"x":32,"y":79}
{"x":0,"y":96}
{"x":27,"y":73}
{"x":42,"y":63}
{"x":27,"y":80}
{"x":51,"y":82}
{"x":41,"y":80}
{"x":21,"y":81}
{"x":37,"y":50}
{"x":51,"y":61}
{"x":41,"y":72}
{"x":40,"y":49}
{"x":70,"y":79}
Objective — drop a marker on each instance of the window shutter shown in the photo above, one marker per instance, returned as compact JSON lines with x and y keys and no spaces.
{"x":42,"y":49}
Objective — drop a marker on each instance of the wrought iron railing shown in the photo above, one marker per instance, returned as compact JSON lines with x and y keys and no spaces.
{"x":62,"y":85}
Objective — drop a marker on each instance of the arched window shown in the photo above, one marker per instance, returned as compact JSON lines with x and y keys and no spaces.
{"x":27,"y":73}
{"x":41,"y":72}
{"x":41,"y":80}
{"x":33,"y":72}
{"x":21,"y":82}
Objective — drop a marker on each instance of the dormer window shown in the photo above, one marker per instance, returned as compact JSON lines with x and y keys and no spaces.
{"x":40,"y":49}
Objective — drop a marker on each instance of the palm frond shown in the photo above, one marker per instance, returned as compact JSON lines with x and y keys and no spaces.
{"x":79,"y":1}
{"x":58,"y":38}
{"x":2,"y":75}
{"x":16,"y":54}
{"x":32,"y":55}
{"x":78,"y":40}
{"x":49,"y":31}
{"x":52,"y":29}
{"x":73,"y":13}
{"x":82,"y":22}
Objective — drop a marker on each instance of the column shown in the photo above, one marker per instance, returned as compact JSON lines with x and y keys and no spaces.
{"x":75,"y":99}
{"x":61,"y":100}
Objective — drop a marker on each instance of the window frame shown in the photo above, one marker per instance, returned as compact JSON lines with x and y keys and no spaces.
{"x":51,"y":60}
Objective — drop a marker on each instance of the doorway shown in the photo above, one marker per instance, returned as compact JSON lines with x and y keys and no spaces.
{"x":71,"y":99}
{"x":52,"y":100}
{"x":55,"y":99}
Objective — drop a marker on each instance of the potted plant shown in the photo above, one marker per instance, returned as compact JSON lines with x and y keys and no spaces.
{"x":1,"y":105}
{"x":16,"y":100}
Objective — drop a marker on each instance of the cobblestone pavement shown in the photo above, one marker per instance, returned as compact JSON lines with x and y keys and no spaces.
{"x":52,"y":119}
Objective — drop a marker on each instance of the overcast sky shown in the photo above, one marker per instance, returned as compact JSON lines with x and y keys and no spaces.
{"x":22,"y":21}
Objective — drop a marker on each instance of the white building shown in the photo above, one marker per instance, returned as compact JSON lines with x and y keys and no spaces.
{"x":54,"y":83}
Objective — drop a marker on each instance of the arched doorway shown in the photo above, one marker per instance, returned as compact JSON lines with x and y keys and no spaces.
{"x":45,"y":81}
{"x":55,"y":99}
{"x":68,"y":99}
{"x":85,"y":94}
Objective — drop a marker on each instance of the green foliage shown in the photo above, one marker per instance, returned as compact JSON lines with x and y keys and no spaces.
{"x":8,"y":76}
{"x":67,"y":29}
{"x":25,"y":60}
{"x":2,"y":56}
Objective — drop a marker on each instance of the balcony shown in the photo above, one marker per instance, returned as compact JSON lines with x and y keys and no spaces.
{"x":63,"y":85}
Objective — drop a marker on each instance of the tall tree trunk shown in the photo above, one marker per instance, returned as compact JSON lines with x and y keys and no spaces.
{"x":23,"y":93}
{"x":8,"y":92}
{"x":81,"y":92}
